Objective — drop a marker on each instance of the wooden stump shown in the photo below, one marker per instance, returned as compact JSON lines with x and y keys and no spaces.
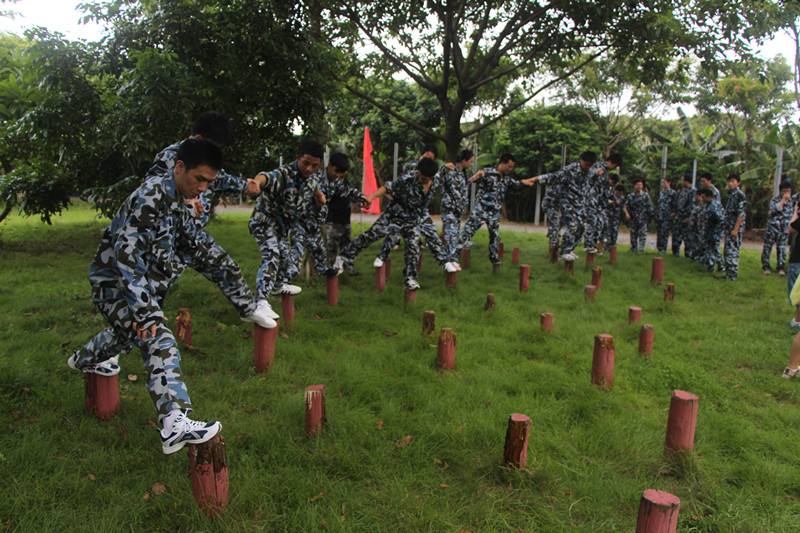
{"x":669,"y":292}
{"x":264,"y":342}
{"x":589,"y":292}
{"x":569,"y":267}
{"x":597,"y":277}
{"x":183,"y":326}
{"x":287,"y":303}
{"x":490,"y":303}
{"x":554,"y":254}
{"x":101,"y":395}
{"x":419,"y":264}
{"x":315,"y":409}
{"x":657,"y":271}
{"x":332,"y":286}
{"x":603,"y":361}
{"x":450,"y":279}
{"x":208,"y":470}
{"x":590,"y":257}
{"x":658,"y":512}
{"x":515,"y":452}
{"x":524,"y":277}
{"x":496,"y":268}
{"x":515,"y":256}
{"x":380,"y":278}
{"x":387,"y":268}
{"x":428,"y":322}
{"x":410,"y":296}
{"x":546,"y":321}
{"x":612,"y":255}
{"x":646,"y":336}
{"x":501,"y":250}
{"x":682,"y":421}
{"x":634,"y":314}
{"x":446,"y":350}
{"x":465,"y":258}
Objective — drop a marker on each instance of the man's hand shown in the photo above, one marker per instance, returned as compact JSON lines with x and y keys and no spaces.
{"x":196,"y":205}
{"x":144,"y":334}
{"x":530,"y":181}
{"x":365,"y":202}
{"x":600,"y":171}
{"x":450,"y":165}
{"x":319,"y":196}
{"x":253,"y":188}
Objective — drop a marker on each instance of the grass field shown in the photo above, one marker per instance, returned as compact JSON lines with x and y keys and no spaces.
{"x":591,"y":452}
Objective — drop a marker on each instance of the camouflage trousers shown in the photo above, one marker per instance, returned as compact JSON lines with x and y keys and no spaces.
{"x":572,"y":222}
{"x":638,"y":236}
{"x":780,"y":240}
{"x":302,"y":239}
{"x":711,"y":256}
{"x":427,"y":229}
{"x":451,"y":227}
{"x":383,"y":227}
{"x":161,"y":356}
{"x":612,"y":231}
{"x":679,"y":237}
{"x":662,"y":238}
{"x":553,"y":216}
{"x":479,"y":217}
{"x":274,"y":259}
{"x":733,"y":246}
{"x":595,"y":223}
{"x":337,"y":236}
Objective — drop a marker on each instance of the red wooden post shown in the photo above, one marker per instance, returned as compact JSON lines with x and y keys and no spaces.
{"x":603,"y":361}
{"x":669,"y":292}
{"x":590,"y":256}
{"x":428,"y":322}
{"x":554,"y":254}
{"x":634,"y":314}
{"x":387,"y":268}
{"x":465,"y":258}
{"x":490,"y":302}
{"x":589,"y":292}
{"x":597,"y":277}
{"x":446,"y":350}
{"x":410,"y":296}
{"x":569,"y":267}
{"x":646,"y":336}
{"x":515,"y":452}
{"x":682,"y":421}
{"x":287,"y":302}
{"x":332,"y":286}
{"x":183,"y":326}
{"x":524,"y":277}
{"x":546,"y":321}
{"x":612,"y":255}
{"x":501,"y":251}
{"x":496,"y":268}
{"x":515,"y":256}
{"x":264,"y":341}
{"x":450,"y":279}
{"x":208,"y":470}
{"x":658,"y":512}
{"x":101,"y":395}
{"x":419,"y":264}
{"x":380,"y":278}
{"x":657,"y":271}
{"x":315,"y":409}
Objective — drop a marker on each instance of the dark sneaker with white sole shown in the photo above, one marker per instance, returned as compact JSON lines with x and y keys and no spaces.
{"x":109,"y":367}
{"x":180,"y":430}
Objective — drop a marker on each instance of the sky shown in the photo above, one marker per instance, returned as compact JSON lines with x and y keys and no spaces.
{"x":63,"y":16}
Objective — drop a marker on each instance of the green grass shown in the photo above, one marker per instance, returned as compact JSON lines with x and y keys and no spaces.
{"x":591,"y":452}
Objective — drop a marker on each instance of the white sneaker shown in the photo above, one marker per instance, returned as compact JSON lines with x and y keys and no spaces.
{"x":569,"y":257}
{"x":456,"y":265}
{"x":109,"y":367}
{"x":411,"y":284}
{"x":789,"y":373}
{"x":180,"y":430}
{"x":450,"y":267}
{"x":378,"y":262}
{"x":288,"y":288}
{"x":591,"y":250}
{"x":338,"y":264}
{"x":264,"y":316}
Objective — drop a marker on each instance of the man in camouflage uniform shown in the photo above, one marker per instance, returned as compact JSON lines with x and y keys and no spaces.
{"x":707,"y":182}
{"x":339,"y":195}
{"x":552,"y":212}
{"x":285,"y":197}
{"x":411,"y":195}
{"x":614,"y":208}
{"x":598,"y":191}
{"x":684,"y":203}
{"x":695,"y":229}
{"x":571,"y":182}
{"x":712,"y":226}
{"x":735,"y":213}
{"x":638,"y":211}
{"x":666,"y":214}
{"x":493,"y":184}
{"x":777,"y":233}
{"x":455,"y":191}
{"x":151,"y":235}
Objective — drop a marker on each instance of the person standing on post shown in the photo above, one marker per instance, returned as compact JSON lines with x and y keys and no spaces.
{"x":455,"y":195}
{"x":597,"y":191}
{"x":340,"y":196}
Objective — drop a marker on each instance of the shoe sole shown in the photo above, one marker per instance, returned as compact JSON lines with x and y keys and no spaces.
{"x":248,"y":319}
{"x":179,"y":446}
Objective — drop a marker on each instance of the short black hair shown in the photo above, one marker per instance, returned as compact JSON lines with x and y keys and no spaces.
{"x":589,"y":156}
{"x":668,"y":179}
{"x":506,"y":157}
{"x":734,"y":176}
{"x":466,"y":155}
{"x":614,"y":178}
{"x":311,"y":147}
{"x":634,"y":181}
{"x":687,"y":177}
{"x":430,"y":148}
{"x":707,"y":175}
{"x":706,"y":192}
{"x":785,"y":185}
{"x":620,"y":188}
{"x":339,"y":161}
{"x":196,"y":152}
{"x":427,"y":167}
{"x":214,"y":126}
{"x":616,"y":158}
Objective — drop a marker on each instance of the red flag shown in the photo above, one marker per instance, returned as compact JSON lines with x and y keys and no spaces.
{"x":369,"y":185}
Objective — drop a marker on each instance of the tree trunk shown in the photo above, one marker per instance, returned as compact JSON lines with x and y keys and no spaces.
{"x":453,"y":136}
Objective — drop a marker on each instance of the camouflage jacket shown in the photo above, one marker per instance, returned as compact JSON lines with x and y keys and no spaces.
{"x":596,"y":186}
{"x":779,"y":217}
{"x":735,"y":208}
{"x":409,"y":200}
{"x":684,"y":202}
{"x":640,"y":207}
{"x":285,"y":198}
{"x":492,"y":189}
{"x":571,"y":183}
{"x":614,"y":206}
{"x":667,"y":202}
{"x":455,"y":191}
{"x":713,"y":220}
